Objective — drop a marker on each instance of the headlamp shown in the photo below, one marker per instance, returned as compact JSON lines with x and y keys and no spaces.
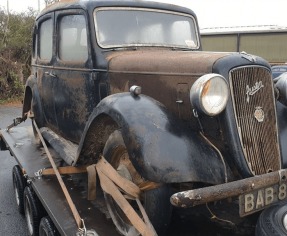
{"x":209,"y":94}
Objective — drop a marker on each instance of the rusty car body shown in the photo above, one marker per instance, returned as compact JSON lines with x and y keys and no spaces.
{"x":203,"y":120}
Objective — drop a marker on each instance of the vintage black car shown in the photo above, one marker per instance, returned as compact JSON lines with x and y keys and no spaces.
{"x":128,"y":79}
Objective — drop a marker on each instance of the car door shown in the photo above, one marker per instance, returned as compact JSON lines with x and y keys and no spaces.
{"x":44,"y":68}
{"x":74,"y":84}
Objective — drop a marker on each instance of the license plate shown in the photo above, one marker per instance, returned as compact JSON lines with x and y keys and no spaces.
{"x":259,"y":199}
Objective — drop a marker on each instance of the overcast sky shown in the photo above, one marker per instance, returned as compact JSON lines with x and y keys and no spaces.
{"x":210,"y":13}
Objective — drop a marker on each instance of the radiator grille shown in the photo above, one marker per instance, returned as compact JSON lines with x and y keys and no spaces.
{"x":253,"y":101}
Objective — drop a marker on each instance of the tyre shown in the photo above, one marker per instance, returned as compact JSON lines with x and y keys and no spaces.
{"x":33,"y":211}
{"x":47,"y":227}
{"x":272,"y":221}
{"x":156,"y":202}
{"x":36,"y":135}
{"x":19,"y":184}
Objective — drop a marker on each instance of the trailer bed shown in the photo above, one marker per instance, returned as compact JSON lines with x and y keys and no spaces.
{"x":31,"y":157}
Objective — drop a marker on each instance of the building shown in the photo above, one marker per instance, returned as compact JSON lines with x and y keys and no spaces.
{"x":269,"y":42}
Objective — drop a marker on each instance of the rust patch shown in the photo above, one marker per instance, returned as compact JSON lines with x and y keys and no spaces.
{"x":164,"y":62}
{"x":200,"y":196}
{"x":95,"y":140}
{"x":206,"y":88}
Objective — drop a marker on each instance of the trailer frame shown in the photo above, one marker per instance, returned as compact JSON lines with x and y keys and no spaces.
{"x":31,"y":158}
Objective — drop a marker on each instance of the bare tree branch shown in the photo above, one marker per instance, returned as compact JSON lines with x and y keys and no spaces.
{"x":48,"y":2}
{"x":7,"y":25}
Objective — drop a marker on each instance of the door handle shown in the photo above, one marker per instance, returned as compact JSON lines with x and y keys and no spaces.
{"x":50,"y":74}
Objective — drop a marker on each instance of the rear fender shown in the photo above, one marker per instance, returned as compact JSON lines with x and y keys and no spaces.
{"x":161,"y":148}
{"x":32,"y":96}
{"x":27,"y":96}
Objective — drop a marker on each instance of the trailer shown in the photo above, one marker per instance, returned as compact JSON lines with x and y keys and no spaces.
{"x":68,"y":200}
{"x":31,"y":159}
{"x":50,"y":213}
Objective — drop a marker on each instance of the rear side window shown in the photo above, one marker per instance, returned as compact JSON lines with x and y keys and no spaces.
{"x":73,"y":38}
{"x":46,"y":39}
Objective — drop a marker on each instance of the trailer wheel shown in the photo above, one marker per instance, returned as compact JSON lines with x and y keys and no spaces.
{"x":33,"y":211}
{"x":47,"y":227}
{"x":272,"y":221}
{"x":19,"y":184}
{"x":156,"y":202}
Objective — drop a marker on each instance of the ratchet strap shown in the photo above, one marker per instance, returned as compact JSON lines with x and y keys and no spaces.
{"x":66,"y":170}
{"x":122,"y":189}
{"x":111,"y":182}
{"x":16,"y":122}
{"x":78,"y":219}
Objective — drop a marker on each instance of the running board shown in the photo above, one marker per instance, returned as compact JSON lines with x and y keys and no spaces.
{"x":65,"y":148}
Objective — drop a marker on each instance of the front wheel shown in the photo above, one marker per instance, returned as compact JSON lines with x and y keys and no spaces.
{"x":156,"y":202}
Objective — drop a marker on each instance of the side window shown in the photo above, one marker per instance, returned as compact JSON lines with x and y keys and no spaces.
{"x":73,"y":38}
{"x":46,"y":39}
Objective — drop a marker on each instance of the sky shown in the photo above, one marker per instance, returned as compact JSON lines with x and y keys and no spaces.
{"x":210,"y":13}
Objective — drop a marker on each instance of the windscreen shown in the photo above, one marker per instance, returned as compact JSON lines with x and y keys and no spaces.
{"x":121,"y":27}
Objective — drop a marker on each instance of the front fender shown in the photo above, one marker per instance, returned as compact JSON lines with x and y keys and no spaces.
{"x":161,"y":148}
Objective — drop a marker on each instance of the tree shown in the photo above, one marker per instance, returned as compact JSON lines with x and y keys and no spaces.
{"x":48,"y":2}
{"x":15,"y":51}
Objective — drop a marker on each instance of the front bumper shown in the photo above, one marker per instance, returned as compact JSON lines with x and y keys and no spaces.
{"x":200,"y":196}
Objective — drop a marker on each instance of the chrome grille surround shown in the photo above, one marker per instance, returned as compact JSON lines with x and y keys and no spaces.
{"x":253,"y":101}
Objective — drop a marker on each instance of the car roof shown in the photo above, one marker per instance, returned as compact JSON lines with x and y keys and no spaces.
{"x":278,"y":67}
{"x":91,"y":4}
{"x":278,"y":70}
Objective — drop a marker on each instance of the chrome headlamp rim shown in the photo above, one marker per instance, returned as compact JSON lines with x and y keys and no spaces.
{"x":206,"y":87}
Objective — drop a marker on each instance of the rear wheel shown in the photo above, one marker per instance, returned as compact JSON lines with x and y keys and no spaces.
{"x":19,"y":184}
{"x":156,"y":202}
{"x":36,"y":135}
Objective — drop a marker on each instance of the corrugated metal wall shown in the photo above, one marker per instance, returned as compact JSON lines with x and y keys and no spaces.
{"x":272,"y":46}
{"x":219,"y":43}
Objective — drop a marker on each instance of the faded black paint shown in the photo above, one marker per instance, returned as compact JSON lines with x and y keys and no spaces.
{"x":158,"y":143}
{"x":162,"y":136}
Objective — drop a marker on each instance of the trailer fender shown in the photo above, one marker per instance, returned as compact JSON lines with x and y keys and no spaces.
{"x":160,"y":147}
